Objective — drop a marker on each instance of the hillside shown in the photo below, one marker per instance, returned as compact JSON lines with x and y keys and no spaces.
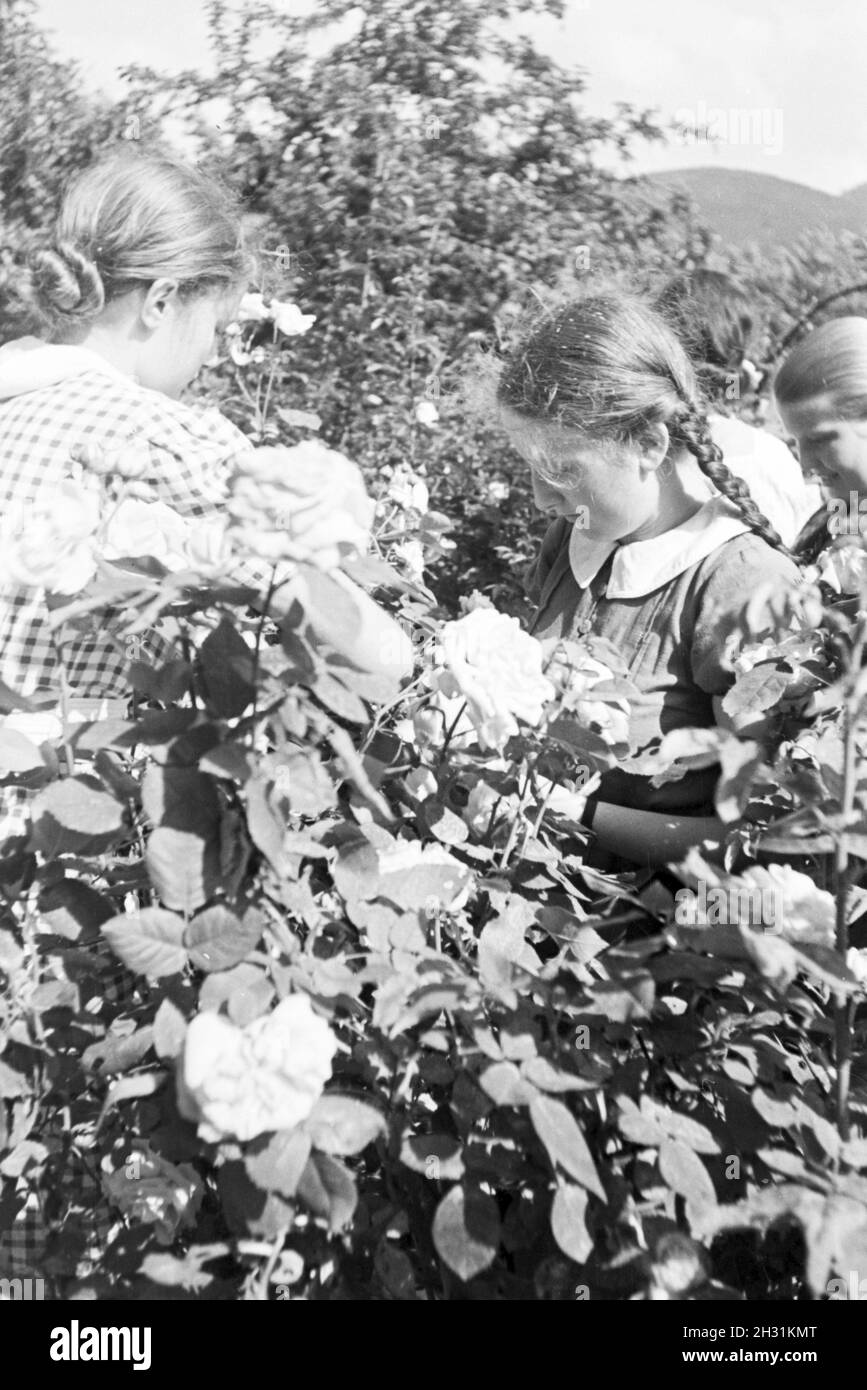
{"x":744,"y":207}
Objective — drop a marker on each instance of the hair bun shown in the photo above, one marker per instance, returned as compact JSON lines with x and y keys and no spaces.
{"x":68,"y":283}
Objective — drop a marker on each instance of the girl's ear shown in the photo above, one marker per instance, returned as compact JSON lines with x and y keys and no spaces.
{"x":161,"y":295}
{"x":653,"y":446}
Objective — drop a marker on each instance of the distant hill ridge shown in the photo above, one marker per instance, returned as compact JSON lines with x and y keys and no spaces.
{"x":745,"y":207}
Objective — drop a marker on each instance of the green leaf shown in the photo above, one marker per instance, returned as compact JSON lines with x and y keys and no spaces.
{"x":75,"y":816}
{"x":425,"y":884}
{"x":682,"y":1127}
{"x":301,"y":779}
{"x":74,"y":910}
{"x":336,"y":697}
{"x":564,"y":1141}
{"x":144,"y":1083}
{"x":568,"y":1222}
{"x":170,"y":1029}
{"x":685,"y":1173}
{"x":12,"y":1083}
{"x":216,"y":939}
{"x":277,"y":1165}
{"x":228,"y":669}
{"x":246,"y":990}
{"x":228,"y":760}
{"x":182,"y":798}
{"x":184,"y":869}
{"x":149,"y":942}
{"x":437,"y":1156}
{"x":343,"y":1125}
{"x":18,"y":753}
{"x":266,"y":831}
{"x":329,"y":1190}
{"x":756,"y":690}
{"x":779,"y":1114}
{"x":331,"y":610}
{"x":740,"y":761}
{"x":466,"y":1231}
{"x":442,"y":823}
{"x":547,"y":1077}
{"x":505,"y":1085}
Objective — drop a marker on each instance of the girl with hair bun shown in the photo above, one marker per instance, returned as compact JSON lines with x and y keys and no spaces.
{"x":110,"y":320}
{"x":603,"y":404}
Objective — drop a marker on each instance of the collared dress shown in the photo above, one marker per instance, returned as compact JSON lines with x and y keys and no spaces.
{"x":663,"y":604}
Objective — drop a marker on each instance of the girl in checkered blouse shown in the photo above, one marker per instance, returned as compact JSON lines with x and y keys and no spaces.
{"x":110,"y":321}
{"x":103,"y":329}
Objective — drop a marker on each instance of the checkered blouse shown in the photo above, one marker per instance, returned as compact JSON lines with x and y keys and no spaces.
{"x":191,"y":449}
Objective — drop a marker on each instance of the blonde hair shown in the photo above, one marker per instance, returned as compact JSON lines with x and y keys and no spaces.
{"x":130,"y":218}
{"x":829,"y":361}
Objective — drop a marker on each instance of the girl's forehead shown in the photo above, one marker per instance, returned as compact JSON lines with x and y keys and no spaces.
{"x":802,"y":416}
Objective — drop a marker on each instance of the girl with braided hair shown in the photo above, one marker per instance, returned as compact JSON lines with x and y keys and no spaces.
{"x":655,"y":541}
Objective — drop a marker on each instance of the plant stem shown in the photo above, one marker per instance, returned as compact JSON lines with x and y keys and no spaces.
{"x":843,"y":1013}
{"x":263,"y":415}
{"x":450,"y":731}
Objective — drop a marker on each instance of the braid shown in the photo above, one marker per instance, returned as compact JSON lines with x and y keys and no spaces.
{"x":693,"y":430}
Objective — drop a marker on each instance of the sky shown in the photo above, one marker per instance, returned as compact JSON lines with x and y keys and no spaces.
{"x":774,"y":86}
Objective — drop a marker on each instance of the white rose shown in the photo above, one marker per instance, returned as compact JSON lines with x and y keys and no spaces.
{"x":305,"y":503}
{"x":844,"y":567}
{"x":412,"y":555}
{"x":409,"y":491}
{"x":48,"y":544}
{"x":209,"y":547}
{"x":253,"y":309}
{"x":427,"y":414}
{"x":803,"y":913}
{"x":857,"y":963}
{"x":241,"y":1082}
{"x":153,"y":529}
{"x":497,"y":668}
{"x":289,"y":318}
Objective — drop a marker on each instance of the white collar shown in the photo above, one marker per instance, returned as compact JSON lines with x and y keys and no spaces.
{"x":639,"y":567}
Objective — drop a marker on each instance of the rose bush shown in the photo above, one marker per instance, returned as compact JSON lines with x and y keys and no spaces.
{"x":309,"y":988}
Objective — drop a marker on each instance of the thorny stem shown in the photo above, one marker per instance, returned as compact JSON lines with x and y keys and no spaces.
{"x":272,"y":584}
{"x":64,"y":704}
{"x":519,"y":818}
{"x":450,"y":731}
{"x":843,"y":1013}
{"x":263,"y":415}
